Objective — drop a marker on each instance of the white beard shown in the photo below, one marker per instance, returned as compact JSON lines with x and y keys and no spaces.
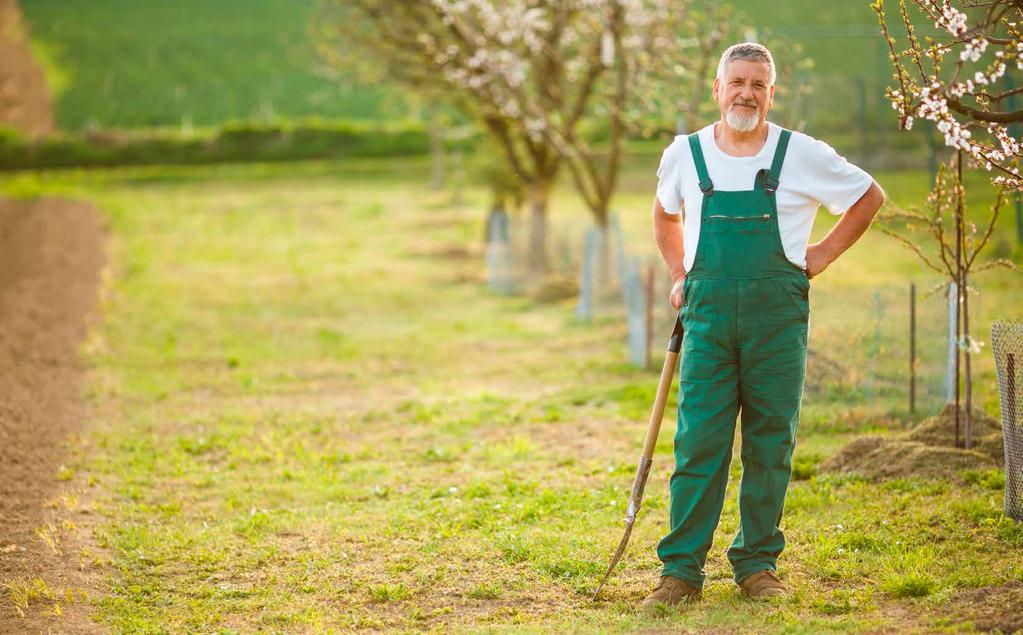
{"x":741,"y":123}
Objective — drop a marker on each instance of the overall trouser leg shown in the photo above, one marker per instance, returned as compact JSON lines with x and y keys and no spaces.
{"x":707,"y":410}
{"x":772,"y":364}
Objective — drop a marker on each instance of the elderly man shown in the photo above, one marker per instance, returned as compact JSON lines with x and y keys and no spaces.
{"x":741,"y":268}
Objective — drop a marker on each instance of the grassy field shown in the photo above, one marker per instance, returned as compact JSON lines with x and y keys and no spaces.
{"x":130,"y":63}
{"x":311,"y":414}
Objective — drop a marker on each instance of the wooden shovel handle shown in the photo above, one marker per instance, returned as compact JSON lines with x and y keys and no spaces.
{"x":663,"y":388}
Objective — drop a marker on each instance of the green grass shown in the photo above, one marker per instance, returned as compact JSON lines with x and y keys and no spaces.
{"x":306,"y":421}
{"x":131,"y":63}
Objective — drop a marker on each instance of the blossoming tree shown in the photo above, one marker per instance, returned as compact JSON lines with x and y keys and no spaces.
{"x":535,"y":74}
{"x":960,"y":79}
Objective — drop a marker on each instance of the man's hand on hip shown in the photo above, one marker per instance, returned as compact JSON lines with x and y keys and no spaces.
{"x":846,"y":231}
{"x":817,"y":260}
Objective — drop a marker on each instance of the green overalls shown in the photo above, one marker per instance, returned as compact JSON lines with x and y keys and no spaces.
{"x":745,"y":312}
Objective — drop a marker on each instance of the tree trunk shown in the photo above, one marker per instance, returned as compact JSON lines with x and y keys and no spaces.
{"x":604,"y":269}
{"x":537,"y":257}
{"x":959,"y":279}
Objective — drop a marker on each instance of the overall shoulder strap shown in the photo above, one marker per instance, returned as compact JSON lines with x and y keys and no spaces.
{"x":706,"y":185}
{"x":771,"y":182}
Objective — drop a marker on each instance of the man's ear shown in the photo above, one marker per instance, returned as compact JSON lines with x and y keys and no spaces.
{"x":717,"y":88}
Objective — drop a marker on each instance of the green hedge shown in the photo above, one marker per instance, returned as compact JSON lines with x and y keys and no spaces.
{"x":234,"y":142}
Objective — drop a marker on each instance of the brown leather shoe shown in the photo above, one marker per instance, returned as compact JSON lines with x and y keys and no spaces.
{"x":763,"y":584}
{"x":669,"y":592}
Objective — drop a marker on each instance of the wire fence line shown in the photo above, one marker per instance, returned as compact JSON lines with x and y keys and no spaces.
{"x":888,"y":344}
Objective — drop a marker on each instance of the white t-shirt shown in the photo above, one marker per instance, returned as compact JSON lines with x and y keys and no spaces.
{"x":813,"y":175}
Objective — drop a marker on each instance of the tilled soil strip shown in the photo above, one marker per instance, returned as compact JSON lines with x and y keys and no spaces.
{"x":51,"y":256}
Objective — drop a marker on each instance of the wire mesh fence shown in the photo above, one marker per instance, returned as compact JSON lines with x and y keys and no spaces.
{"x":886,"y":346}
{"x":1007,"y":346}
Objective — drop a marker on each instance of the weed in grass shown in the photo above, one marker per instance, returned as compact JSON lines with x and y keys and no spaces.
{"x":485,"y":591}
{"x":65,"y":473}
{"x":569,"y":568}
{"x":514,"y":549}
{"x":804,"y":467}
{"x":1010,"y":531}
{"x":908,"y":485}
{"x":988,"y":479}
{"x":389,"y":592}
{"x":977,"y":511}
{"x":26,"y":592}
{"x":910,"y":585}
{"x":438,"y":454}
{"x":49,"y":535}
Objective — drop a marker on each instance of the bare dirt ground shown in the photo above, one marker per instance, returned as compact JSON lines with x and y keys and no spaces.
{"x":24,"y":98}
{"x":51,"y":257}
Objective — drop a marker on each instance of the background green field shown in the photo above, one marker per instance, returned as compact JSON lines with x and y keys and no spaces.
{"x":126,"y":63}
{"x":129,"y":63}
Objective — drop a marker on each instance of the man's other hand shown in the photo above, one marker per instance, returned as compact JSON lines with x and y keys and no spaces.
{"x":676,"y":293}
{"x":817,"y":260}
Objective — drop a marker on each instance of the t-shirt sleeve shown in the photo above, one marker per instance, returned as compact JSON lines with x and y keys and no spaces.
{"x":669,"y":180}
{"x":837,"y":184}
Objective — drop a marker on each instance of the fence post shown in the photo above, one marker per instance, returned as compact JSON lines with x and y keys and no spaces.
{"x":619,"y":247}
{"x":1010,"y":386}
{"x":953,"y":327}
{"x":634,"y":306}
{"x":912,"y":347}
{"x":499,"y":272}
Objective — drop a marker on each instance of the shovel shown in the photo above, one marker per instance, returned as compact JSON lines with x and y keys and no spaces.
{"x":646,"y":459}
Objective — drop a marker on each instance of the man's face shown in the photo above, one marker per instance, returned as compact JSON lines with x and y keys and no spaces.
{"x":745,"y":95}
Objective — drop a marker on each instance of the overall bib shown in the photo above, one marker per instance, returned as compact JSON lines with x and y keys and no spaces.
{"x":745,"y":312}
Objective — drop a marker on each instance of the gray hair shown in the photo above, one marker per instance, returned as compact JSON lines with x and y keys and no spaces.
{"x":746,"y":51}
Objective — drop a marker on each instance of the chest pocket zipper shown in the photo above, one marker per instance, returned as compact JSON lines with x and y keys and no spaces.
{"x":760,"y":217}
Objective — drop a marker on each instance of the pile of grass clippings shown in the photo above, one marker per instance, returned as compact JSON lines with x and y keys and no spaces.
{"x":927,"y":451}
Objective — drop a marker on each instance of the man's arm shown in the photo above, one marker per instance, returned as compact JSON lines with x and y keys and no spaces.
{"x":847,"y":231}
{"x":668,"y":234}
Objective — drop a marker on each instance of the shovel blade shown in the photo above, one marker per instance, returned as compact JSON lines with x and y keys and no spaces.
{"x":629,"y":523}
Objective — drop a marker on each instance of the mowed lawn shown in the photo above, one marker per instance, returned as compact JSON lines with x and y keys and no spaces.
{"x":310,"y":414}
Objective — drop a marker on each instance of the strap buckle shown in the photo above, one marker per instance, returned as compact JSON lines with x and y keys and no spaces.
{"x":769,"y":183}
{"x":707,"y":187}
